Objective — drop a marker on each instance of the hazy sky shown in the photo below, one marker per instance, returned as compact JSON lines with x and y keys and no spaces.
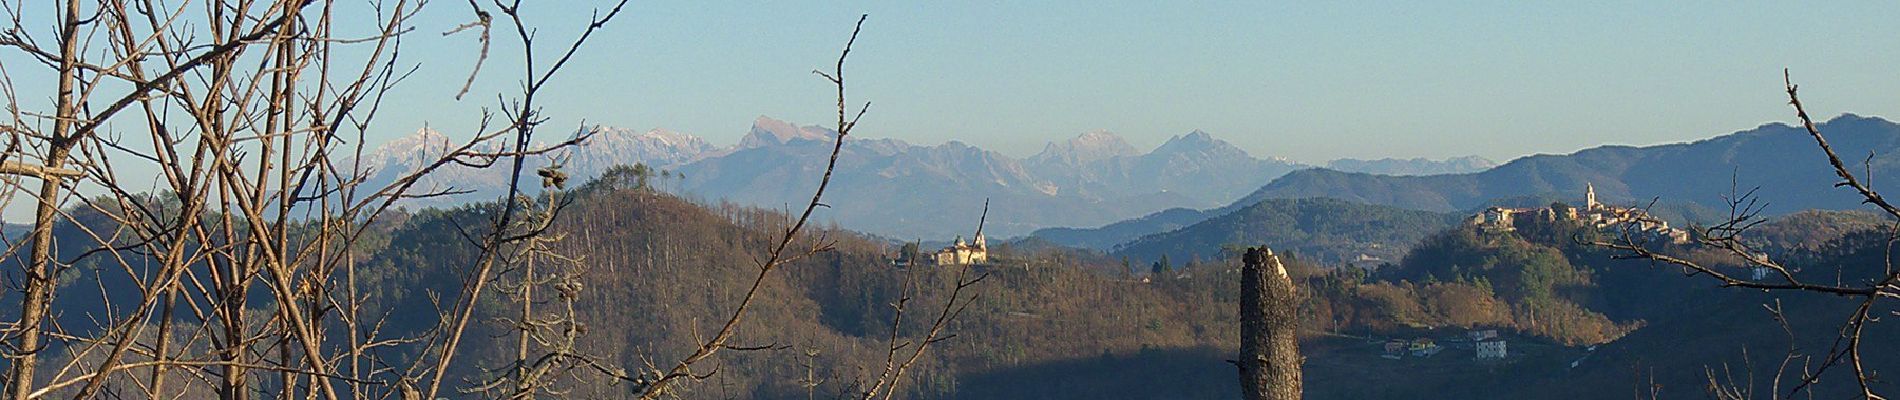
{"x":1309,"y":81}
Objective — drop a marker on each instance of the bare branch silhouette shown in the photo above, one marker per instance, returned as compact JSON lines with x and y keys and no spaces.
{"x":1726,"y":236}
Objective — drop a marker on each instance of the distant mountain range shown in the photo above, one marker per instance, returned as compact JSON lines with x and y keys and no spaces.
{"x":1781,"y":160}
{"x":607,"y":148}
{"x":1195,"y":166}
{"x":1685,"y":182}
{"x":1413,"y":166}
{"x":905,"y":191}
{"x":1107,"y":236}
{"x":1320,"y":229}
{"x":897,"y":189}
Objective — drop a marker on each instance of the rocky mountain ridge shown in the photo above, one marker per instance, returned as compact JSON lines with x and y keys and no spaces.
{"x":895,"y":188}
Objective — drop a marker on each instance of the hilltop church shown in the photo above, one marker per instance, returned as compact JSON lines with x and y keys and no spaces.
{"x":962,"y":252}
{"x":965,"y":253}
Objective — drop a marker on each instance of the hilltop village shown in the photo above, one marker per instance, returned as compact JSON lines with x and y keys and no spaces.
{"x":1594,"y":214}
{"x":1629,"y":220}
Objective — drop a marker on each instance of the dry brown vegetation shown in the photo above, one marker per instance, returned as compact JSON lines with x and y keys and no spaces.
{"x":1872,"y":286}
{"x":215,"y":146}
{"x":203,"y":226}
{"x":656,"y":284}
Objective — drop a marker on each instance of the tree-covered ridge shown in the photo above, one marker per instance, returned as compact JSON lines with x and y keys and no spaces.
{"x":1542,"y":279}
{"x":1534,"y":285}
{"x":1049,"y":316}
{"x":1778,"y":159}
{"x":661,"y":267}
{"x":1108,"y":236}
{"x":1051,"y":321}
{"x":1814,"y":230}
{"x":1321,"y":229}
{"x":1694,"y":327}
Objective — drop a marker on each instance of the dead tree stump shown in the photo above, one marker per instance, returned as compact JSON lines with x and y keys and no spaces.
{"x":1269,"y":351}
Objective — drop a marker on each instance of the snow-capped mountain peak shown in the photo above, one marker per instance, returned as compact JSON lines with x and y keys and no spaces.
{"x":770,"y":132}
{"x":1086,"y":148}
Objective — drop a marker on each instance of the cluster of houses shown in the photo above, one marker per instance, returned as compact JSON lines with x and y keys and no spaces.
{"x":1485,"y":343}
{"x":1593,"y":214}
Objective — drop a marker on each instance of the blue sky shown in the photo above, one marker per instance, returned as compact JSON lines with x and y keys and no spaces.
{"x":1309,"y":81}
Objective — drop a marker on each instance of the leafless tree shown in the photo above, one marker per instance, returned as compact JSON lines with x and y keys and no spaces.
{"x":1269,"y":315}
{"x":895,"y":362}
{"x":240,"y":261}
{"x":547,"y":346}
{"x":789,"y":246}
{"x":1869,"y":292}
{"x":252,"y":115}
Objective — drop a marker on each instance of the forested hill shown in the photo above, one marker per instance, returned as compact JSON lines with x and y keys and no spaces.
{"x":1325,"y":230}
{"x":658,"y":269}
{"x":1702,"y":333}
{"x":1645,"y":321}
{"x":1108,"y":236}
{"x":1782,"y":160}
{"x":655,"y":269}
{"x":1047,"y":325}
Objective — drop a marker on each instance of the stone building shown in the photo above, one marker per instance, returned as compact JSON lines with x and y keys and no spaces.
{"x":1594,"y":214}
{"x":961,"y":252}
{"x":965,"y":253}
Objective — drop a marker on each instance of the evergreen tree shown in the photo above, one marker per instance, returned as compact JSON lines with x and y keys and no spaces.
{"x":910,"y":253}
{"x":1163,"y":266}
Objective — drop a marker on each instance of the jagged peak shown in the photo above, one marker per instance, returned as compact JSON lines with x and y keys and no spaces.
{"x":767,"y":131}
{"x":656,"y":136}
{"x":1096,"y":136}
{"x":1101,"y":139}
{"x":423,"y":138}
{"x":1089,"y":146}
{"x":1196,"y":136}
{"x":1197,"y":141}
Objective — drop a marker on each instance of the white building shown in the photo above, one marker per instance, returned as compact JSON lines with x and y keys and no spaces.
{"x":1481,"y":335}
{"x":964,"y":253}
{"x":1491,"y":350}
{"x":960,"y":252}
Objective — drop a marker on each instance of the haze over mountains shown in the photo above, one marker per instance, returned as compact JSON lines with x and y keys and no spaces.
{"x":1781,"y":160}
{"x":607,"y":148}
{"x":1687,"y":181}
{"x":1413,"y":166}
{"x":906,"y":191}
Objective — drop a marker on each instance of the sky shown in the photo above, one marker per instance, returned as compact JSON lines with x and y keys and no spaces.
{"x":1308,"y":81}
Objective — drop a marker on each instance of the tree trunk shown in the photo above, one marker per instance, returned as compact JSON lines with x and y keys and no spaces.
{"x":1269,"y":351}
{"x":39,"y":274}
